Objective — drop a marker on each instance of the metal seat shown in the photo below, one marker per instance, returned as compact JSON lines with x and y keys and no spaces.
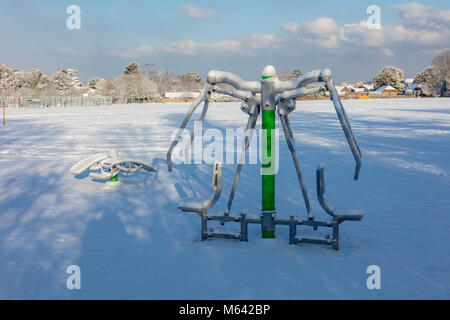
{"x":202,"y":207}
{"x":348,"y":214}
{"x":339,"y":214}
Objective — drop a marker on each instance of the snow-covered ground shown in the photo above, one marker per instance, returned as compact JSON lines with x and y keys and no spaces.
{"x":130,"y":240}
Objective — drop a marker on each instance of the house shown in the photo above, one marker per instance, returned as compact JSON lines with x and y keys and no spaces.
{"x":386,"y":90}
{"x":340,"y":90}
{"x":181,"y":96}
{"x":347,"y":90}
{"x":359,"y":91}
{"x":413,"y":89}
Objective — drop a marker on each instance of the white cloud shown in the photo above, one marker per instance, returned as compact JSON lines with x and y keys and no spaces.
{"x":418,"y":15}
{"x":244,"y":45}
{"x":142,"y":50}
{"x":191,"y":47}
{"x":322,"y":32}
{"x":418,"y":28}
{"x":323,"y":26}
{"x":195,"y":12}
{"x":292,"y":27}
{"x":388,"y":52}
{"x":418,"y":25}
{"x":358,"y":34}
{"x":264,"y":41}
{"x":146,"y":49}
{"x":411,"y":10}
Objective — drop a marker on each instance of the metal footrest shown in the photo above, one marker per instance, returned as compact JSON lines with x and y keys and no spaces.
{"x":221,"y":235}
{"x":222,"y":218}
{"x":292,"y":223}
{"x":315,"y":240}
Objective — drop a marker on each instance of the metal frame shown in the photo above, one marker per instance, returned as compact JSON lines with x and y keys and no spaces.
{"x":337,"y":216}
{"x":107,"y":166}
{"x":267,"y":96}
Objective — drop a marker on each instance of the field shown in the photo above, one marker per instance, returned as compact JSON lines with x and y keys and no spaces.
{"x":131,"y":241}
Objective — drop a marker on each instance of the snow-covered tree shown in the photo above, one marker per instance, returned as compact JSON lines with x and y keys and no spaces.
{"x":135,"y":86}
{"x":96,"y":83}
{"x":391,"y":76}
{"x":34,"y":79}
{"x":424,"y":76}
{"x":167,"y":81}
{"x":107,"y":89}
{"x":191,"y":76}
{"x":439,"y":82}
{"x":64,"y":82}
{"x":132,"y":68}
{"x":290,"y":75}
{"x":191,"y":82}
{"x":9,"y":79}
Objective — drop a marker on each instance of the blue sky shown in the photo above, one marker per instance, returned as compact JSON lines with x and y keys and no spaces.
{"x":239,"y":36}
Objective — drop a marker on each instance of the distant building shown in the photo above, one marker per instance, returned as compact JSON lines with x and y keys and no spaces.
{"x":359,"y":91}
{"x":341,"y":90}
{"x":386,"y":91}
{"x":346,"y":89}
{"x":413,"y":89}
{"x":181,"y":96}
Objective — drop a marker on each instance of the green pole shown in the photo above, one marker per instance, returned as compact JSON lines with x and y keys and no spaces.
{"x":268,"y":153}
{"x":268,"y":178}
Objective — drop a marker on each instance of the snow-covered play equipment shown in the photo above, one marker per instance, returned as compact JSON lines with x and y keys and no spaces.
{"x":106,"y":166}
{"x":267,"y":96}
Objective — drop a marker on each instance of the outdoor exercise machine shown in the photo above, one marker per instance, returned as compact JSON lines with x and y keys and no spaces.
{"x":268,"y":96}
{"x":106,"y":166}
